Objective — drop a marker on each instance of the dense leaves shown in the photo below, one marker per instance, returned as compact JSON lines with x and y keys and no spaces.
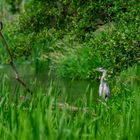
{"x":79,"y":36}
{"x":14,"y":5}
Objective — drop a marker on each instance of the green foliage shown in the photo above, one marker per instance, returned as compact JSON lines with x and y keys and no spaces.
{"x":106,"y":31}
{"x":74,"y":38}
{"x":14,"y":5}
{"x":79,"y":17}
{"x":39,"y":117}
{"x":115,"y":47}
{"x":75,"y":63}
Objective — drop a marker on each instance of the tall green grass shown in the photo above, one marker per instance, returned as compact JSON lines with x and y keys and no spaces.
{"x":26,"y":117}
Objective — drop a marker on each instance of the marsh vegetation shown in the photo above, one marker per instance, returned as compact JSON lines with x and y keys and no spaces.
{"x":56,"y":47}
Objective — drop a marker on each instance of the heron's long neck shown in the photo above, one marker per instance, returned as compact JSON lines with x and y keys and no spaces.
{"x":103,"y":77}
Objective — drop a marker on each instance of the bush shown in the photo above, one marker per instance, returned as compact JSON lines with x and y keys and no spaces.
{"x":116,"y":48}
{"x":75,"y":63}
{"x":106,"y":31}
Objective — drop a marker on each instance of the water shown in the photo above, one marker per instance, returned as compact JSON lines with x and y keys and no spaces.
{"x":65,"y":89}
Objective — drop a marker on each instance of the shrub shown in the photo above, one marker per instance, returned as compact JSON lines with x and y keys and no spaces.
{"x":116,"y":48}
{"x":86,"y":23}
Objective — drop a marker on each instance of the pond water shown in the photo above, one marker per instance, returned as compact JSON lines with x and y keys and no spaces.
{"x":66,"y":89}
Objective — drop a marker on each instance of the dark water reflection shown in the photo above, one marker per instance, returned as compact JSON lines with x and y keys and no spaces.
{"x":65,"y":89}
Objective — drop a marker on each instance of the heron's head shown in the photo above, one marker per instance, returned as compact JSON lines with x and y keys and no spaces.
{"x":101,"y":70}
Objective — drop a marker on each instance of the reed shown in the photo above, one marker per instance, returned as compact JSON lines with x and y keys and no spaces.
{"x":35,"y":117}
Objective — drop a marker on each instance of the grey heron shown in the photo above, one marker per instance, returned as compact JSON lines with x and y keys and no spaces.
{"x":103,"y":87}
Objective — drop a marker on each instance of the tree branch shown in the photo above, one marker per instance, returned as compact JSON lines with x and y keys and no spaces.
{"x":17,"y":77}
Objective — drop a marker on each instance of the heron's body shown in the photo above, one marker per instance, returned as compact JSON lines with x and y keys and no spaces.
{"x":104,"y":90}
{"x":103,"y":87}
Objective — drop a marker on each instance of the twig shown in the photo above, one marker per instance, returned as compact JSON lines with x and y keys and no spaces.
{"x":17,"y":77}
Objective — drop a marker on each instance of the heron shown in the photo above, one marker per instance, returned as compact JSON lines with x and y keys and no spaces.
{"x":103,"y":87}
